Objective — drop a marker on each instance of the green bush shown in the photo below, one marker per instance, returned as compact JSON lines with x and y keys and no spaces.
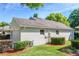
{"x":22,"y":44}
{"x":75,"y":44}
{"x":76,"y":35}
{"x":58,"y":41}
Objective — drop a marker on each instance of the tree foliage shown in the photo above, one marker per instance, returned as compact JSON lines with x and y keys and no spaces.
{"x":74,"y":18}
{"x":2,"y":24}
{"x":35,"y":15}
{"x":33,"y":5}
{"x":58,"y":17}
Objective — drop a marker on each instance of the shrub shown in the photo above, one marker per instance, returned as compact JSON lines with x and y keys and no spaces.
{"x":75,"y":44}
{"x":76,"y":35}
{"x":22,"y":44}
{"x":58,"y":41}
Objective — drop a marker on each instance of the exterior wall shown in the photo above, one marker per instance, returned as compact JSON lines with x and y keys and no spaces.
{"x":62,"y":33}
{"x":15,"y":32}
{"x":35,"y":36}
{"x":15,"y":36}
{"x":14,"y":25}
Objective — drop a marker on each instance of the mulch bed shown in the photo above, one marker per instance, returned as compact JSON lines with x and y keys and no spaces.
{"x":13,"y":52}
{"x":55,"y":44}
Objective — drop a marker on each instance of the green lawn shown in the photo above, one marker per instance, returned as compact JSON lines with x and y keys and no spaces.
{"x":42,"y":50}
{"x":45,"y":50}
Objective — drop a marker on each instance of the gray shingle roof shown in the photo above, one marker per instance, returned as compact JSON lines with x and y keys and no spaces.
{"x":40,"y":23}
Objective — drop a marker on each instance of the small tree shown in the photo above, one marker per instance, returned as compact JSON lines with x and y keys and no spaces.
{"x":35,"y":15}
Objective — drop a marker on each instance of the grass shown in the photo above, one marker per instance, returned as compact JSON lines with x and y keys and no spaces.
{"x":42,"y":50}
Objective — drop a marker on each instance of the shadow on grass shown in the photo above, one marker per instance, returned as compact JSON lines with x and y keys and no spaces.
{"x":69,"y":50}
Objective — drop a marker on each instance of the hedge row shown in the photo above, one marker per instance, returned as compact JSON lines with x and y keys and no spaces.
{"x":75,"y":43}
{"x":76,"y":35}
{"x":58,"y":41}
{"x":22,"y":44}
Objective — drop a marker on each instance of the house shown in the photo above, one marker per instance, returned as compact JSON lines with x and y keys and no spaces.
{"x":38,"y":30}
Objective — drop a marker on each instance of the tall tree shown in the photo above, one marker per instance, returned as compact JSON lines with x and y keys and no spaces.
{"x":33,"y":5}
{"x":74,"y":18}
{"x":58,"y":17}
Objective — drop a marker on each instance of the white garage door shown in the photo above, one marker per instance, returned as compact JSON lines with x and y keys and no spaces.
{"x":35,"y":37}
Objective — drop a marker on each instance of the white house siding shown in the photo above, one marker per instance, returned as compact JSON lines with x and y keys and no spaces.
{"x":35,"y":36}
{"x":68,"y":34}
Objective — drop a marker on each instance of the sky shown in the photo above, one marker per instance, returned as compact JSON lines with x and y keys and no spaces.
{"x":9,"y":10}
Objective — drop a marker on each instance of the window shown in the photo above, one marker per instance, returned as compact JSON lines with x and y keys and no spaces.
{"x":57,"y":32}
{"x":42,"y":32}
